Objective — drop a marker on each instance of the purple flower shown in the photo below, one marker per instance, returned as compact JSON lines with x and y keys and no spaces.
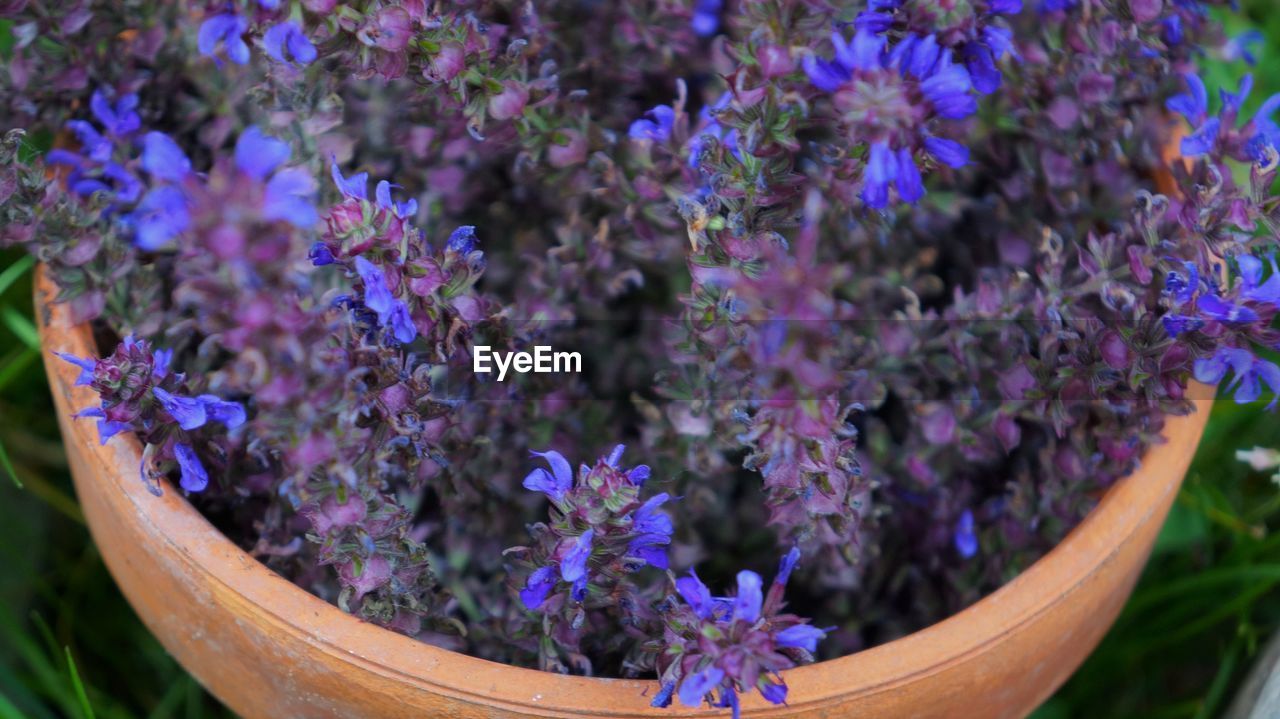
{"x":539,"y":585}
{"x":224,"y":30}
{"x":801,"y":636}
{"x":288,"y":36}
{"x":964,"y":538}
{"x":194,"y":478}
{"x":556,"y":483}
{"x":655,"y":125}
{"x":392,"y":313}
{"x":696,"y":686}
{"x":746,"y":605}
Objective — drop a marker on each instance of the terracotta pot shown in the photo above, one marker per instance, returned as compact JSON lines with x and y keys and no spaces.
{"x":269,"y":649}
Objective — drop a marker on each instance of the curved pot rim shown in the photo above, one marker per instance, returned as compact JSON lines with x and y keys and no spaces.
{"x":324,"y":627}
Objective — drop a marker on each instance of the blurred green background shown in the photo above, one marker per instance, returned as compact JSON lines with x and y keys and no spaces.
{"x":71,"y":647}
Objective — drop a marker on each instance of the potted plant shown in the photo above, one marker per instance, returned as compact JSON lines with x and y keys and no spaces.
{"x":884,"y":300}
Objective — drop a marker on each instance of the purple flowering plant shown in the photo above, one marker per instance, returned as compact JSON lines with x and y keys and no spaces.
{"x":890,"y":288}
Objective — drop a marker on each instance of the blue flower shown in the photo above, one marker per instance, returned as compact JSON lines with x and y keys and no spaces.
{"x":663,"y":697}
{"x":193,"y":412}
{"x":288,"y":36}
{"x":106,"y":428}
{"x":696,"y":595}
{"x":948,"y":152}
{"x":556,"y":483}
{"x":706,"y":17}
{"x":574,"y":564}
{"x":257,"y":155}
{"x":773,"y":693}
{"x":882,"y":168}
{"x":161,"y":216}
{"x":1250,"y":373}
{"x":696,"y":686}
{"x":224,"y":30}
{"x":230,"y":414}
{"x":788,"y":565}
{"x":1253,"y":288}
{"x":320,"y":255}
{"x":981,"y":56}
{"x":188,"y":412}
{"x":87,"y":367}
{"x":401,"y":209}
{"x":964,"y":538}
{"x":356,"y":186}
{"x":1240,"y":47}
{"x":462,"y":240}
{"x":119,"y":120}
{"x":163,"y":159}
{"x":392,"y":313}
{"x":801,"y":636}
{"x":746,"y":604}
{"x":1266,"y":132}
{"x":914,"y":60}
{"x":653,"y":529}
{"x":193,"y":477}
{"x":539,"y":585}
{"x":655,"y":125}
{"x":1172,"y":26}
{"x":288,"y":197}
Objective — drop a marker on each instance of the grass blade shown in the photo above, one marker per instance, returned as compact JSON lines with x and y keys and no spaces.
{"x":21,"y":327}
{"x":14,"y":271}
{"x":8,"y":466}
{"x":81,"y":694}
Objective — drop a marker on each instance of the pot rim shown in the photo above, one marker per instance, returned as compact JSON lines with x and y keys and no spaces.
{"x":323,"y":627}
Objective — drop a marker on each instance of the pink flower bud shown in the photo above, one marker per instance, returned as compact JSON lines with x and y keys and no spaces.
{"x":510,"y":102}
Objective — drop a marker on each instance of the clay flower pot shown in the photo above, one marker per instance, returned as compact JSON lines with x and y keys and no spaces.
{"x":269,"y":649}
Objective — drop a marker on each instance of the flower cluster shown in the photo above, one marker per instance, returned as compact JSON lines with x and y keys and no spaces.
{"x":715,"y":648}
{"x":131,"y":383}
{"x":599,"y":535}
{"x":903,"y":286}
